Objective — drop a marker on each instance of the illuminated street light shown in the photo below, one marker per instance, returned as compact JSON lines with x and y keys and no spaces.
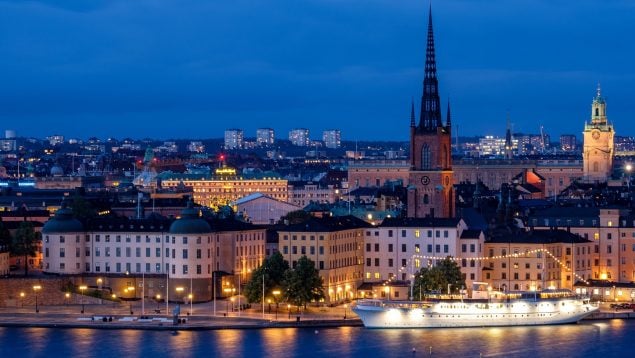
{"x":276,"y":293}
{"x":22,"y":298}
{"x":36,"y":288}
{"x":83,"y":288}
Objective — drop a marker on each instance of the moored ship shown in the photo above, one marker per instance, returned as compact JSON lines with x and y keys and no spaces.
{"x":485,"y":308}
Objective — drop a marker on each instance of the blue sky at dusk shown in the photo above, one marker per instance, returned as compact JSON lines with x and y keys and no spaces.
{"x":191,"y":69}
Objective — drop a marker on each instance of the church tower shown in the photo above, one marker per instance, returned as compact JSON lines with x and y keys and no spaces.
{"x":430,"y":189}
{"x":598,"y":149}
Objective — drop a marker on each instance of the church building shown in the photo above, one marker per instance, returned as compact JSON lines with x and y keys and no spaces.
{"x":430,"y":191}
{"x":599,"y":147}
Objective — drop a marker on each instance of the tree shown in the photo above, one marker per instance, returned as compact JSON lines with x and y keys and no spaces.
{"x":437,"y":278}
{"x":5,"y":237}
{"x":25,"y":242}
{"x":296,"y":217}
{"x":82,"y":208}
{"x":273,"y":269}
{"x":303,"y":284}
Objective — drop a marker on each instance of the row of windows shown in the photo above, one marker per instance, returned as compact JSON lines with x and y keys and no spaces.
{"x":303,"y":250}
{"x":416,"y":247}
{"x":417,"y":233}
{"x":107,"y":252}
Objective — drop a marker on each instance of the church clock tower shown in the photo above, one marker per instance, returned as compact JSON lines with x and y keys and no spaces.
{"x":598,"y":143}
{"x":430,"y":189}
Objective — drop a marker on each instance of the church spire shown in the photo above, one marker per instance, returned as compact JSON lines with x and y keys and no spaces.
{"x":448,"y":122}
{"x":430,"y":104}
{"x":412,"y":113}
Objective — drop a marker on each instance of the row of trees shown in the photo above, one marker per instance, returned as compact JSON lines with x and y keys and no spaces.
{"x":297,"y":286}
{"x":23,"y":243}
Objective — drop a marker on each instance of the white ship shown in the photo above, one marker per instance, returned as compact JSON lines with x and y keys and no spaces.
{"x":485,"y":308}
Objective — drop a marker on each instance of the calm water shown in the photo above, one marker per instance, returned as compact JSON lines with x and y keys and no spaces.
{"x":598,"y":339}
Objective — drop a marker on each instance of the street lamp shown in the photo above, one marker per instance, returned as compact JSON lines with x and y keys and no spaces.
{"x":67,"y":296}
{"x":22,"y":299}
{"x":628,"y":168}
{"x":36,"y":288}
{"x":158,"y":297}
{"x":232,"y":300}
{"x":289,"y":309}
{"x":275,"y":298}
{"x":345,"y":309}
{"x":82,"y":288}
{"x":114,"y":299}
{"x":190,"y":297}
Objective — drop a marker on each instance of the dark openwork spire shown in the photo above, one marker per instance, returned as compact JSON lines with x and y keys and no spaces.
{"x":448,"y":122}
{"x":430,"y":103}
{"x":412,"y":113}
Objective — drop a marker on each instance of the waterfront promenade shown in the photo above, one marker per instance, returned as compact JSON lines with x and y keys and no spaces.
{"x":118,"y":316}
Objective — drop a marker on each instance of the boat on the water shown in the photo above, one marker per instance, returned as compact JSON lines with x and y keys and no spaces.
{"x":485,"y":308}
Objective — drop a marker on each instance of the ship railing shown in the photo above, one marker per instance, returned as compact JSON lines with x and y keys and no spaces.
{"x":394,"y":304}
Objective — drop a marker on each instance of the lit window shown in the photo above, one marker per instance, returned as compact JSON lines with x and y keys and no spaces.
{"x":417,"y":233}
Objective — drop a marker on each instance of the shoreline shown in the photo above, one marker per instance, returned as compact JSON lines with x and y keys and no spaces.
{"x":199,"y":323}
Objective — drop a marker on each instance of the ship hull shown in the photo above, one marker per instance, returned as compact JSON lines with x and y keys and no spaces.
{"x":466,"y":314}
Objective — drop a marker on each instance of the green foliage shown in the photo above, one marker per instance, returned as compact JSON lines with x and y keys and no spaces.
{"x":5,"y":237}
{"x":25,"y":243}
{"x":82,"y":209}
{"x":303,"y":284}
{"x":438,"y":277}
{"x":296,"y":217}
{"x":274,"y":269}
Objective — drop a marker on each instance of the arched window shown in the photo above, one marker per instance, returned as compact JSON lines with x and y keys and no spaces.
{"x":597,"y":112}
{"x":426,"y":199}
{"x":425,"y":157}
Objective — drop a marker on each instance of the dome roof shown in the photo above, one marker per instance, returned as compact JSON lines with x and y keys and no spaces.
{"x":62,"y":222}
{"x":190,"y":222}
{"x":57,"y":171}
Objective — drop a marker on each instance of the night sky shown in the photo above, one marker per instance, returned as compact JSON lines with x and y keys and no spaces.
{"x":191,"y":69}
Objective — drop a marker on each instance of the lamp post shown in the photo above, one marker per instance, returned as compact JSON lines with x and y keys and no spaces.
{"x":130,"y":289}
{"x":276,"y":293}
{"x":345,"y":309}
{"x":232,"y":301}
{"x":36,"y":288}
{"x":158,"y":298}
{"x":67,"y":296}
{"x":22,"y":299}
{"x":629,"y":168}
{"x":114,"y":300}
{"x":83,"y":288}
{"x":190,"y":297}
{"x":289,"y":309}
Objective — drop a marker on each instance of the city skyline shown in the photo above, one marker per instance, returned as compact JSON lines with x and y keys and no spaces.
{"x":157,"y":69}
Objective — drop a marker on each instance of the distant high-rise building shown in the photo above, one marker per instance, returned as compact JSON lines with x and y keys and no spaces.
{"x":568,"y":143}
{"x":7,"y":145}
{"x":496,"y":146}
{"x":196,"y":146}
{"x":55,"y":139}
{"x":300,"y":137}
{"x":233,"y":139}
{"x":265,"y":136}
{"x":331,"y":138}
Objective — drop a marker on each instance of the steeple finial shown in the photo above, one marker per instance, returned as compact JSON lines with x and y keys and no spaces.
{"x":412,"y":112}
{"x":430,"y":104}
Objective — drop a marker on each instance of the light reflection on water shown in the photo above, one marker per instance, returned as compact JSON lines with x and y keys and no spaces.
{"x":598,"y":339}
